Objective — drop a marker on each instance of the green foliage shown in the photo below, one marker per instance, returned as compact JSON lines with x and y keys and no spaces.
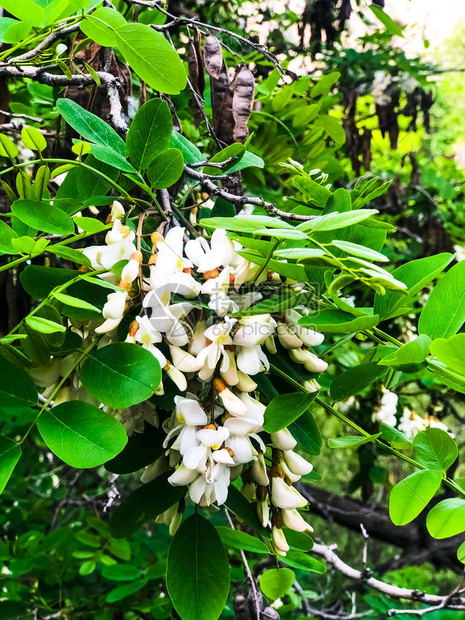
{"x":196,"y":554}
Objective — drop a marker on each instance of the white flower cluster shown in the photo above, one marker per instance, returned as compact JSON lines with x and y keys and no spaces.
{"x":215,"y":433}
{"x":410,"y":422}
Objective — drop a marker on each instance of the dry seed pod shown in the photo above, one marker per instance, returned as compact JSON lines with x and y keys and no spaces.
{"x":218,"y":89}
{"x":242,"y":103}
{"x":225,"y":125}
{"x":213,"y":57}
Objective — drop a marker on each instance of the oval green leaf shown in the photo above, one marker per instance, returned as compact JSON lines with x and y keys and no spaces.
{"x":82,"y":435}
{"x":275,"y":582}
{"x":411,"y":495}
{"x":197,"y":574}
{"x":166,"y":169}
{"x":43,"y":216}
{"x":121,"y":375}
{"x":446,"y":518}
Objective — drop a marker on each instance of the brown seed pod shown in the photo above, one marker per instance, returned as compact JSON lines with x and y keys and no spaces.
{"x":242,"y":103}
{"x":213,"y":57}
{"x":225,"y":125}
{"x":218,"y":89}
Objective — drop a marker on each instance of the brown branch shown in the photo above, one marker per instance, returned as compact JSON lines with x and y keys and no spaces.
{"x":270,"y":208}
{"x":110,"y":82}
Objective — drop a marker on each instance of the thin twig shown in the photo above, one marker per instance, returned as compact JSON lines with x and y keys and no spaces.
{"x":239,"y":200}
{"x":250,"y":577}
{"x":53,"y":36}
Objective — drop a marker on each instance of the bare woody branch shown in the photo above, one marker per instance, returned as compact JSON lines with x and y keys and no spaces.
{"x":449,"y":601}
{"x":111,"y":83}
{"x":240,"y":201}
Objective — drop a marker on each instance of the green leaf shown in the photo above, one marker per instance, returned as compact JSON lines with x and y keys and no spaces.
{"x":303,"y":561}
{"x":43,"y":216}
{"x":411,"y":495}
{"x":100,"y":26}
{"x":111,"y":157}
{"x":143,"y":504}
{"x":316,"y":193}
{"x":124,"y":590}
{"x":451,"y":352}
{"x":165,"y":169}
{"x":7,"y":147}
{"x":197,"y":575}
{"x":17,"y":389}
{"x":44,"y":326}
{"x":89,"y":224}
{"x":324,"y":84}
{"x":33,"y":139}
{"x":63,"y":251}
{"x":6,"y":235}
{"x":191,"y":153}
{"x":359,"y":250}
{"x":28,"y":245}
{"x":121,"y":375}
{"x":351,"y":441}
{"x":26,"y":10}
{"x":355,"y":380}
{"x":334,"y":220}
{"x":416,"y":275}
{"x":149,"y":133}
{"x":444,"y":312}
{"x":284,"y":409}
{"x":10,"y":453}
{"x":394,"y":437}
{"x":338,"y":322}
{"x":409,"y":356}
{"x":12,"y":30}
{"x":275,"y":582}
{"x":90,"y":126}
{"x":446,"y":518}
{"x":281,"y":233}
{"x":141,"y":450}
{"x":391,"y":26}
{"x":75,"y":302}
{"x":121,"y":572}
{"x":82,"y":435}
{"x":240,"y":540}
{"x":461,"y":553}
{"x":151,"y":56}
{"x":306,"y":432}
{"x":435,"y":449}
{"x":298,"y":540}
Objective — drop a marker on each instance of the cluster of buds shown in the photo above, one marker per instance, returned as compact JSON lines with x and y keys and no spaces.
{"x":194,"y":300}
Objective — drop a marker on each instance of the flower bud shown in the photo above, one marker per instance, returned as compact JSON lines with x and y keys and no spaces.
{"x":311,"y":385}
{"x":114,"y":307}
{"x":183,"y":360}
{"x":279,"y":541}
{"x":245,"y":383}
{"x":130,"y":271}
{"x":231,"y":402}
{"x":183,"y":476}
{"x":287,"y":338}
{"x":283,"y":439}
{"x":296,"y":463}
{"x":259,"y":472}
{"x":176,"y":376}
{"x":285,"y":496}
{"x":294,"y":521}
{"x":263,"y":512}
{"x":117,"y":211}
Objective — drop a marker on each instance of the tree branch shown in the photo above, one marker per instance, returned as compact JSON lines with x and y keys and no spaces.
{"x":42,"y":76}
{"x":240,"y":201}
{"x":53,"y":36}
{"x":455,"y":601}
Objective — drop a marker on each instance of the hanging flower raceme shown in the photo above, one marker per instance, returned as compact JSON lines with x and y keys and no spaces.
{"x":186,"y":301}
